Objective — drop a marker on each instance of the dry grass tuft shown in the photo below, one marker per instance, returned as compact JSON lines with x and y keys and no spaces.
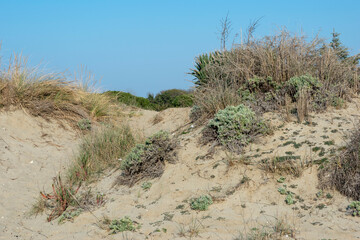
{"x":48,"y":95}
{"x":283,"y":165}
{"x":101,"y":150}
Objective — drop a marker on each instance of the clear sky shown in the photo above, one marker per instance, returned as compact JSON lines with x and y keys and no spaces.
{"x":148,"y":46}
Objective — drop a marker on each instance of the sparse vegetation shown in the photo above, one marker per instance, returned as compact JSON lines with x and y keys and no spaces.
{"x":277,"y":230}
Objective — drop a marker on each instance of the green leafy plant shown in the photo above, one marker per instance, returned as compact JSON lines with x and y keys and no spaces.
{"x":201,"y":203}
{"x":354,"y":208}
{"x":123,"y":224}
{"x":281,"y":180}
{"x":289,"y":199}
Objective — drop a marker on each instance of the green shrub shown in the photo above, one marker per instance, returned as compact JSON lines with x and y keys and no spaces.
{"x":171,"y":98}
{"x":297,"y":83}
{"x":184,"y":100}
{"x":122,"y":225}
{"x":148,"y":159}
{"x":201,"y":203}
{"x":235,"y":126}
{"x":134,"y":157}
{"x":131,"y":100}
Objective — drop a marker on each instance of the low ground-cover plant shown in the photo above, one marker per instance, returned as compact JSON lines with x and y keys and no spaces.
{"x":342,"y":171}
{"x":201,"y":203}
{"x":354,"y":208}
{"x":147,"y":160}
{"x":234,"y":127}
{"x":122,"y":225}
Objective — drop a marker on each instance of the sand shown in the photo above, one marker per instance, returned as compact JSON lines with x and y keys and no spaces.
{"x":34,"y":150}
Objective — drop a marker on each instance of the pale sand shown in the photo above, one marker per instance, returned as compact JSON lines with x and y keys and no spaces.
{"x":238,"y":207}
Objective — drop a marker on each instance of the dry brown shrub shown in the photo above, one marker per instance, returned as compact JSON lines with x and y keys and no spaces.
{"x":343,"y":170}
{"x":279,"y":57}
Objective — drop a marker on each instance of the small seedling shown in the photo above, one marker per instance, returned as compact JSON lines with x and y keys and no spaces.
{"x":281,"y":180}
{"x":201,"y":203}
{"x":282,"y":190}
{"x":329,"y":143}
{"x":146,"y":185}
{"x":289,"y":199}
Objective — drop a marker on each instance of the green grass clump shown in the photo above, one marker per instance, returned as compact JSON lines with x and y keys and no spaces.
{"x":201,"y":203}
{"x":235,"y":126}
{"x":122,"y":225}
{"x":100,"y":151}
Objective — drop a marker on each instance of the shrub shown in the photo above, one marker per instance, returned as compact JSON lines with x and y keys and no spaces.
{"x":184,"y":100}
{"x":201,"y":203}
{"x":234,"y":127}
{"x":131,"y":100}
{"x":148,"y":159}
{"x":100,"y":151}
{"x":342,"y":172}
{"x":122,"y":225}
{"x":298,"y":83}
{"x":171,"y":98}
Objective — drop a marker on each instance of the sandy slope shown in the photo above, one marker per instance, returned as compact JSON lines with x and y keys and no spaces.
{"x":163,"y":211}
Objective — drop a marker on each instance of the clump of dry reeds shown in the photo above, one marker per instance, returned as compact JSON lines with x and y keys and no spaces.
{"x":222,"y":77}
{"x":343,"y":171}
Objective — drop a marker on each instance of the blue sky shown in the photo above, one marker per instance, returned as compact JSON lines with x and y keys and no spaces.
{"x":148,"y":46}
